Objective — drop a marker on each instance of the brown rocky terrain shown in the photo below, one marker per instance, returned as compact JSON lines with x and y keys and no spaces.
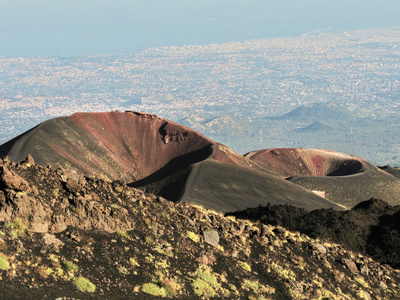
{"x":130,"y":205}
{"x":70,"y":236}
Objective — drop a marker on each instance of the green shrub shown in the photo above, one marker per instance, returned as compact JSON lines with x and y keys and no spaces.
{"x":17,"y":227}
{"x":256,"y":287}
{"x":203,"y":289}
{"x":206,"y":284}
{"x":84,"y":285}
{"x":124,"y":235}
{"x":4,"y":264}
{"x":123,"y":270}
{"x":154,"y":289}
{"x":70,"y":266}
{"x":193,"y":236}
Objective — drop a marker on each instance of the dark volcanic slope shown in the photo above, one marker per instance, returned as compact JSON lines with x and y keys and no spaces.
{"x":159,"y":156}
{"x":344,"y":179}
{"x":226,"y":181}
{"x":226,"y":187}
{"x":392,"y":171}
{"x":372,"y":227}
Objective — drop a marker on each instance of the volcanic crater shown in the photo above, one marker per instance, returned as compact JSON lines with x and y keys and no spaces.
{"x":162,"y":157}
{"x":290,"y":162}
{"x":341,"y":178}
{"x":158,"y":156}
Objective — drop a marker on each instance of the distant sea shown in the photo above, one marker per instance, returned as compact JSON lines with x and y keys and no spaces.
{"x":74,"y":27}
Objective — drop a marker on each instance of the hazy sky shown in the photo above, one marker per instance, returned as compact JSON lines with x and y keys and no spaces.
{"x":90,"y":27}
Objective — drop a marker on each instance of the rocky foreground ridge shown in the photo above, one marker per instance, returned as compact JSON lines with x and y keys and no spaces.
{"x":63,"y":234}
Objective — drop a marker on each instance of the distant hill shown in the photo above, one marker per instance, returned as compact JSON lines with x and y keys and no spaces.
{"x":318,"y":112}
{"x":316,"y":126}
{"x":193,"y":121}
{"x":222,"y":125}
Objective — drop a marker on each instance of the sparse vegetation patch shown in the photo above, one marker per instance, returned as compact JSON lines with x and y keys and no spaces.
{"x":70,"y":266}
{"x":159,"y":256}
{"x":84,"y":285}
{"x":193,"y":236}
{"x":17,"y":226}
{"x":4,"y":263}
{"x":154,"y":289}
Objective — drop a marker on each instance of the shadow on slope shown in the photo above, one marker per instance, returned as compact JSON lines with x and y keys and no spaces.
{"x":226,"y":187}
{"x":169,"y":181}
{"x":392,"y":171}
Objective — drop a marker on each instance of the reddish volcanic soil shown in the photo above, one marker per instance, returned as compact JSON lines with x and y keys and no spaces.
{"x":118,"y":145}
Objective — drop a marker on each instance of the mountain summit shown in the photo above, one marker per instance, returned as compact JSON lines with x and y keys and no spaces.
{"x":127,"y":146}
{"x":161,"y":157}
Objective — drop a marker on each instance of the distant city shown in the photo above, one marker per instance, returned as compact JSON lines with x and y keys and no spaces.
{"x":229,"y":91}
